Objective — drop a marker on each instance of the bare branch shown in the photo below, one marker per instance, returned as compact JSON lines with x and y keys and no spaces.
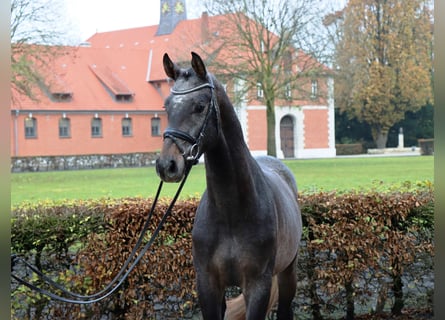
{"x":263,"y":41}
{"x":36,"y":30}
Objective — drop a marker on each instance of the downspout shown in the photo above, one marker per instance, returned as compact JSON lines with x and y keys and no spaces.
{"x":331,"y":116}
{"x":16,"y":142}
{"x":150,"y":57}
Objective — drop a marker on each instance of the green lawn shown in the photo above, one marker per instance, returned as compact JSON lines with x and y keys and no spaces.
{"x":341,"y":174}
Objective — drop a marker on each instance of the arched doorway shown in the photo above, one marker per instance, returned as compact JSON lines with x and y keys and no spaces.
{"x":287,"y":136}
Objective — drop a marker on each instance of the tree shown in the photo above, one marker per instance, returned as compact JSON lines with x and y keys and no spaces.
{"x":384,"y":62}
{"x":262,"y":37}
{"x":416,"y":125}
{"x":37,"y":28}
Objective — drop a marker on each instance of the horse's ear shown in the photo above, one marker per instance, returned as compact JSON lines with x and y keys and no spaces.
{"x":170,"y":68}
{"x":199,"y":66}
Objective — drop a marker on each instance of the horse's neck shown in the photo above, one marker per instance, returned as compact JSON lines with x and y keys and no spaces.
{"x":230,"y":168}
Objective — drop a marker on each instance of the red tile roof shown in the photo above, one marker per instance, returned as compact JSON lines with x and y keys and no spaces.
{"x":128,"y":62}
{"x":111,"y":80}
{"x":189,"y":35}
{"x":93,"y":76}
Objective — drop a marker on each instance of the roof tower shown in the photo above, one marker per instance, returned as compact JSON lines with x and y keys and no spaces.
{"x":172,"y":12}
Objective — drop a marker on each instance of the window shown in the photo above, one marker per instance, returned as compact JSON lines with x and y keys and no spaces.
{"x":64,"y":128}
{"x":259,"y":90}
{"x":61,"y":97}
{"x":238,"y":91}
{"x":314,"y":89}
{"x":124,"y":97}
{"x":96,"y":127}
{"x":288,"y":91}
{"x":155,"y":126}
{"x":30,"y":127}
{"x":127,"y":130}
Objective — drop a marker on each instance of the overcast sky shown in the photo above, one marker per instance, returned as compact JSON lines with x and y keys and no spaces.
{"x":86,"y":17}
{"x":91,"y":16}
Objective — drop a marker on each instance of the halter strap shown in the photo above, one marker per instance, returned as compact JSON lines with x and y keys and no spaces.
{"x":172,"y":132}
{"x":175,"y":134}
{"x":186,"y":91}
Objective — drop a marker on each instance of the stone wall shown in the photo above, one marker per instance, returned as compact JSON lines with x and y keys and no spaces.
{"x":52,"y":163}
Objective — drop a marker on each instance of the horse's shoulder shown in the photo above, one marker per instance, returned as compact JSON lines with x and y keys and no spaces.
{"x":272,"y":166}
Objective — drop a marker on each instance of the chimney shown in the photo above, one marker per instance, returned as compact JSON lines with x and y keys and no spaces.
{"x":205,"y":27}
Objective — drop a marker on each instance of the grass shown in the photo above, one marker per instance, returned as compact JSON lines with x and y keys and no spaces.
{"x":341,"y":174}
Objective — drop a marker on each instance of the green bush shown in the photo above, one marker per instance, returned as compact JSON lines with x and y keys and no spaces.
{"x":351,"y":242}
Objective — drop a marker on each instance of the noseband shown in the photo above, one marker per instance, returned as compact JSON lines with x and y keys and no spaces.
{"x":175,"y":134}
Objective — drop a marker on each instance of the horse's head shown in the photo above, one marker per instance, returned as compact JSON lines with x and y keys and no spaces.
{"x":192,"y":113}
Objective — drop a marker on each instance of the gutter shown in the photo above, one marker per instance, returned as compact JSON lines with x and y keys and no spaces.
{"x":92,"y":111}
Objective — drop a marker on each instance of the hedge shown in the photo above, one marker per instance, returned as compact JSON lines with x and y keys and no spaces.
{"x":426,"y":146}
{"x":348,"y":149}
{"x":360,"y":253}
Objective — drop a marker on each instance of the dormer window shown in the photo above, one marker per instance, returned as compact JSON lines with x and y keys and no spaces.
{"x":61,"y":96}
{"x":114,"y":85}
{"x":124,"y":97}
{"x":57,"y":89}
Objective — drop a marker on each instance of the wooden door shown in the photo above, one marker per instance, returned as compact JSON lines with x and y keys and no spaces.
{"x":287,"y":136}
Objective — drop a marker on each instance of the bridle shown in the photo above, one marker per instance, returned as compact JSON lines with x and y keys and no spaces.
{"x":194,"y":152}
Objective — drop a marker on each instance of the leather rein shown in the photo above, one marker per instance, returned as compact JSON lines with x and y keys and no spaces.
{"x":191,"y":157}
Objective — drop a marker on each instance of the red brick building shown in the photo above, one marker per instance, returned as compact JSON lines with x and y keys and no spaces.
{"x":106,"y":97}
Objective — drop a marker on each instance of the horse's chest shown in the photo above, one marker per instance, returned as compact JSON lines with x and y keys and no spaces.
{"x":230,"y":255}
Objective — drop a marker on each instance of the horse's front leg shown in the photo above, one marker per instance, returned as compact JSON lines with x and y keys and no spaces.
{"x":287,"y":286}
{"x":211,"y":297}
{"x":257,"y":294}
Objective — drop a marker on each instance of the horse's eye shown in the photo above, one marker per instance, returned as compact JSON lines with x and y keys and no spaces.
{"x":199,"y":108}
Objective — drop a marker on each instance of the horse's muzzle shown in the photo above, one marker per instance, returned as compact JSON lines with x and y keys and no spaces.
{"x":170,"y":169}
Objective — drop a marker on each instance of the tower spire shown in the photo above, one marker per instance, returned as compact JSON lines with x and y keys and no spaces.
{"x":172,"y":12}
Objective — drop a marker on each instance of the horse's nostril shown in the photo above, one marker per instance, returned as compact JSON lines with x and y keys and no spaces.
{"x":172,"y":168}
{"x":169,"y":169}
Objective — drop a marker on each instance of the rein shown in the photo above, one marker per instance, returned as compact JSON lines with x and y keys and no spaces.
{"x":190,"y":159}
{"x":123,"y":272}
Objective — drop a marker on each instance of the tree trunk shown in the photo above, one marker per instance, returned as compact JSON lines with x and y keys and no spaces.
{"x":312,"y":261}
{"x":312,"y":278}
{"x":381,"y":298}
{"x":398,"y":295}
{"x":271,"y":145}
{"x":380,"y":137}
{"x":350,"y":309}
